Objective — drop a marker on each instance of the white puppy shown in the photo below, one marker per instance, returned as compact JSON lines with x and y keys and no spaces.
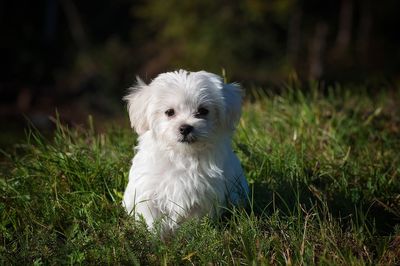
{"x":184,"y":166}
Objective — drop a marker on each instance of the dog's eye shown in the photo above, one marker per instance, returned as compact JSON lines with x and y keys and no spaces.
{"x":201,"y":112}
{"x":170,"y":112}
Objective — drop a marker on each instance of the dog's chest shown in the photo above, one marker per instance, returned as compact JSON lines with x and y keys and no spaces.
{"x":184,"y":190}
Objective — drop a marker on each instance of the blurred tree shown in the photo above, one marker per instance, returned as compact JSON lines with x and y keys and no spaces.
{"x":244,"y":36}
{"x":265,"y":40}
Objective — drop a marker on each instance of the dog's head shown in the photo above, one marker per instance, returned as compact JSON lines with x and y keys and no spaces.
{"x":185,"y":108}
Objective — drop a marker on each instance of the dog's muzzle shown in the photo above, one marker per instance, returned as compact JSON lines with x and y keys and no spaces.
{"x":186,"y":134}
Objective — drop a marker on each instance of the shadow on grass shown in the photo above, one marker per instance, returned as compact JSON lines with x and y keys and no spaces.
{"x":290,"y":198}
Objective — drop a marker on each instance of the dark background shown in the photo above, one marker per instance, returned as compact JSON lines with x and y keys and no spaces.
{"x":80,"y":56}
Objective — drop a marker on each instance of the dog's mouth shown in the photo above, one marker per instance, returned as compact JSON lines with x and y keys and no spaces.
{"x":187,"y":139}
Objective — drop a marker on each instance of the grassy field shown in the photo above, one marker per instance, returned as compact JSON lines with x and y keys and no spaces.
{"x":324,"y":171}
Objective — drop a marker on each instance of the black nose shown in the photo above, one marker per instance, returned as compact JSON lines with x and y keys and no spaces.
{"x":185,"y":129}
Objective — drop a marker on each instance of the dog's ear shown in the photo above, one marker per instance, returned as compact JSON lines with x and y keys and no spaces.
{"x":138,"y":101}
{"x":232,"y":94}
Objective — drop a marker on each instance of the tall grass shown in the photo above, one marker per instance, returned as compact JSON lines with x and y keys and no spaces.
{"x":324,"y":170}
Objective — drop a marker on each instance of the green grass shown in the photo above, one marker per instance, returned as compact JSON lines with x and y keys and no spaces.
{"x":324,"y":171}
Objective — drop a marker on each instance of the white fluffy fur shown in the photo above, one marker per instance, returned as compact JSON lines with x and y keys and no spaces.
{"x":170,"y":180}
